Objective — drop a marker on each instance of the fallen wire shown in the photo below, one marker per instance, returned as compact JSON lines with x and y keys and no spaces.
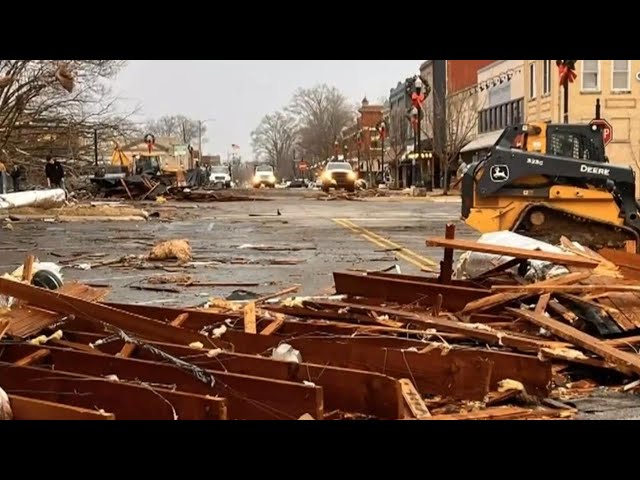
{"x":200,"y":373}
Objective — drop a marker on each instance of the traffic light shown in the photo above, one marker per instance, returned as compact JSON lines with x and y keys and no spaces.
{"x":567,"y":71}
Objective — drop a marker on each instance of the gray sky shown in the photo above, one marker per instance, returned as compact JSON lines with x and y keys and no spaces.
{"x":238,"y":93}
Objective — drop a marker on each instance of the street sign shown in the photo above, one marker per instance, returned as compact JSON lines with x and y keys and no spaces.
{"x":180,"y":150}
{"x":302,"y":166}
{"x":605,"y":127}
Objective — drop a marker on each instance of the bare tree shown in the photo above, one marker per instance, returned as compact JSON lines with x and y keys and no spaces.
{"x":397,"y":138}
{"x":274,"y":140}
{"x":322,"y":112}
{"x":462,"y":119}
{"x":56,"y":106}
{"x":178,"y":126}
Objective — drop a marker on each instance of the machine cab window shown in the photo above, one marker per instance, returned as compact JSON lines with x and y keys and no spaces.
{"x":575,"y":145}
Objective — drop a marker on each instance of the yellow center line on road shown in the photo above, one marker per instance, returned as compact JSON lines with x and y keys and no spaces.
{"x":408,"y":255}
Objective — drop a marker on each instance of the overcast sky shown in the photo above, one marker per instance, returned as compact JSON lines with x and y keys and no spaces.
{"x":238,"y":93}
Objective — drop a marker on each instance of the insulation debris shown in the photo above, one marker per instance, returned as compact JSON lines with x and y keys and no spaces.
{"x":172,"y":249}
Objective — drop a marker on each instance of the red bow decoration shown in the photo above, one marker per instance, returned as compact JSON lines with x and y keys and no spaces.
{"x":383,"y":133}
{"x":417,"y":100}
{"x":150,"y":140}
{"x":566,"y":71}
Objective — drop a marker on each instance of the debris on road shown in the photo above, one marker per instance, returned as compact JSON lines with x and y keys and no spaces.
{"x":172,"y":249}
{"x":496,"y":344}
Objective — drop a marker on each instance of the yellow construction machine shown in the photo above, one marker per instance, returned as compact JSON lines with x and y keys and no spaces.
{"x":155,"y":164}
{"x":549,"y":180}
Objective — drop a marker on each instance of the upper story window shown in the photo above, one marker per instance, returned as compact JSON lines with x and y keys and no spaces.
{"x":620,"y":75}
{"x":532,"y":80}
{"x":591,"y":75}
{"x":546,"y":77}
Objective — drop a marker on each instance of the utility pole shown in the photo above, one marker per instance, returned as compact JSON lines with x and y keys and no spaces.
{"x":199,"y":141}
{"x":95,"y":145}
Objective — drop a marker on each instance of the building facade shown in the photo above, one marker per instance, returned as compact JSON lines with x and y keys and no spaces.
{"x":615,"y":83}
{"x":500,"y":90}
{"x":361,"y":144}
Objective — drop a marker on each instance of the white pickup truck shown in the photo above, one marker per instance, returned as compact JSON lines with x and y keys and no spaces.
{"x":220,"y":175}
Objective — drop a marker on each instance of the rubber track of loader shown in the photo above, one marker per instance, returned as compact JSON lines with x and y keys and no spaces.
{"x":587,"y":232}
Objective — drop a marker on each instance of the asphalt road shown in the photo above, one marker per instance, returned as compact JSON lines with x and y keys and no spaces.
{"x":326,"y":236}
{"x":329,"y":235}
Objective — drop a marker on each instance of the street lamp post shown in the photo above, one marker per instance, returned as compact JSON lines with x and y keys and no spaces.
{"x":414,"y":123}
{"x":417,"y":98}
{"x":336,"y":148}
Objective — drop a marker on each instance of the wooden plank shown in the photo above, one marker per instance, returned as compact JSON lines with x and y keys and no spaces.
{"x":404,"y":291}
{"x":24,"y":408}
{"x":250,"y":318}
{"x":282,"y":292}
{"x":625,"y":361}
{"x":4,"y":327}
{"x":34,"y":357}
{"x":134,"y":324}
{"x":582,"y":289}
{"x":273,"y":327}
{"x":248,"y":397}
{"x":347,"y":390}
{"x":543,"y":301}
{"x":446,"y":265}
{"x":128,"y":348}
{"x":557,"y":258}
{"x":504,"y":413}
{"x":573,"y":356}
{"x":126,"y":401}
{"x":413,"y":399}
{"x":486,"y":334}
{"x":27,"y":268}
{"x":458,"y":374}
{"x":502,"y":298}
{"x":26,"y":320}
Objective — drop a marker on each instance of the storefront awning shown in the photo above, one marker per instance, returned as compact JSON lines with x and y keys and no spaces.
{"x":483,"y":141}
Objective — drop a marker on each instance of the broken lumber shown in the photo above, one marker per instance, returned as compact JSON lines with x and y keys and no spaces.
{"x":131,"y":323}
{"x":24,"y":408}
{"x":405,"y":291}
{"x":502,"y":298}
{"x":247,"y":397}
{"x":623,"y":360}
{"x":557,"y":258}
{"x":127,"y":401}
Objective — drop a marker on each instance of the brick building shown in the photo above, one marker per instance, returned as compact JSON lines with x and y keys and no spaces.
{"x":462,"y":74}
{"x":362,"y":141}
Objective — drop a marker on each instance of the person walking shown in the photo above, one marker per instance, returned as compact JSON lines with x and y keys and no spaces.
{"x":54,"y":173}
{"x":3,"y":178}
{"x":16,"y":175}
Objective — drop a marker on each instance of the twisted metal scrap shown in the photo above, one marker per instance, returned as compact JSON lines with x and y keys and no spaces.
{"x":200,"y":373}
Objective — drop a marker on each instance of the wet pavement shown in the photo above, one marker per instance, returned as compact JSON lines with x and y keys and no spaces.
{"x":326,"y":236}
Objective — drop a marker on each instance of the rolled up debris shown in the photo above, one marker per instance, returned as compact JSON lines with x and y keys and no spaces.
{"x":33,"y":198}
{"x":471,"y":264}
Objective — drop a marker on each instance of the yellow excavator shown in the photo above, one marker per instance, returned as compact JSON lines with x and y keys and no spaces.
{"x":154,"y":164}
{"x":549,"y":180}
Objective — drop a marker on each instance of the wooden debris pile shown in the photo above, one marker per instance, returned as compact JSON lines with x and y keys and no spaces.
{"x":385,"y":346}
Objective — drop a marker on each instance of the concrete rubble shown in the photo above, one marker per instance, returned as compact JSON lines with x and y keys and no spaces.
{"x":497,"y":344}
